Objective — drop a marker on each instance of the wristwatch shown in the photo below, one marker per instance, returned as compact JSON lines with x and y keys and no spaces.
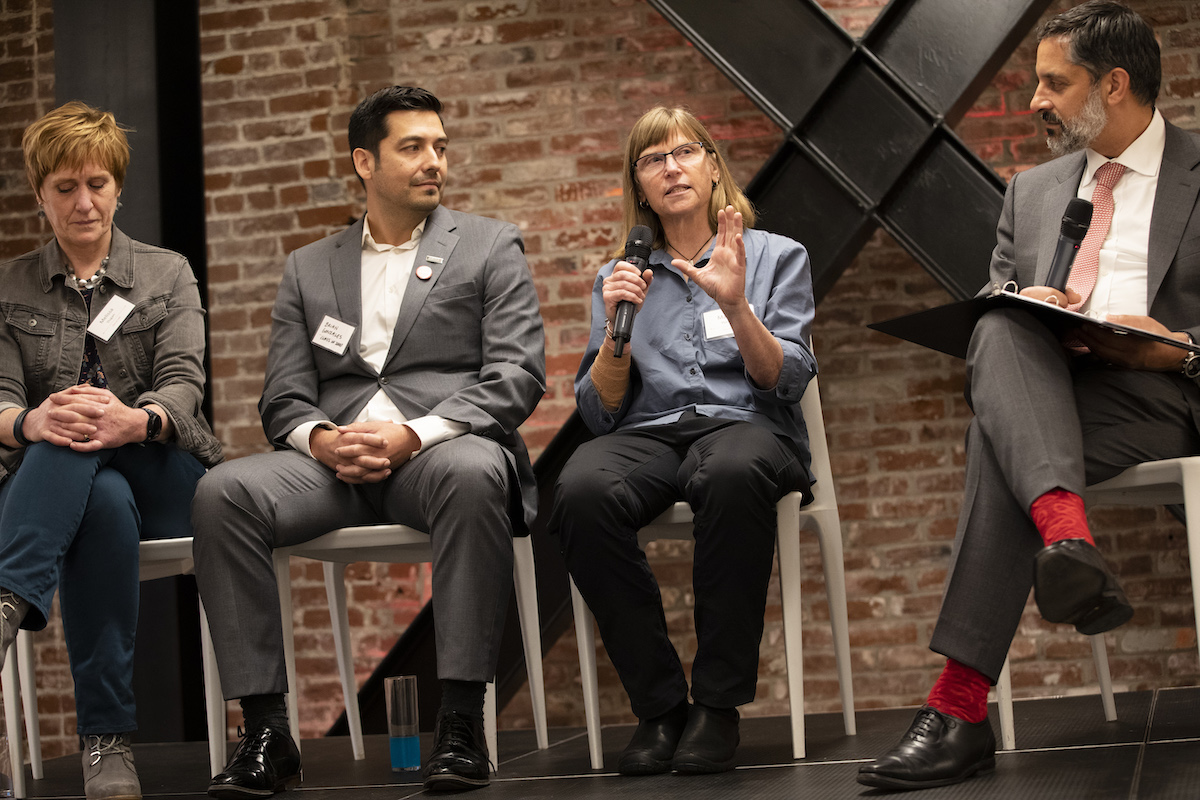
{"x":153,"y":425}
{"x":1191,"y":365}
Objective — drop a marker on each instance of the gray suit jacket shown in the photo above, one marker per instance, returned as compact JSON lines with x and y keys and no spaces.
{"x":1033,"y":208}
{"x":468,"y":343}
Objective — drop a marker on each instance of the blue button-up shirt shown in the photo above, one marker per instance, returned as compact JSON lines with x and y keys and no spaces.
{"x":676,"y":368}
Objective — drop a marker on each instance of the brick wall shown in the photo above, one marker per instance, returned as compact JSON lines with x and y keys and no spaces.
{"x":540,"y":94}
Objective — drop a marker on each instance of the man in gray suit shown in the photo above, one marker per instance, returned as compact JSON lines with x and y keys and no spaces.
{"x":404,"y":353}
{"x":1052,"y":416}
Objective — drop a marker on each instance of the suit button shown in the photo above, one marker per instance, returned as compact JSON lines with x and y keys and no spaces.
{"x":383,"y":381}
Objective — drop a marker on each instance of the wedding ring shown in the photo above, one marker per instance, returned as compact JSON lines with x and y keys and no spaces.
{"x":87,"y":438}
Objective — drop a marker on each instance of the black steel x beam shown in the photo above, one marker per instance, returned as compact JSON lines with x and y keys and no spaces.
{"x":868,"y":140}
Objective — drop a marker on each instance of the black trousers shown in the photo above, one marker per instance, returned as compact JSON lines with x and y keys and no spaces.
{"x":732,"y":474}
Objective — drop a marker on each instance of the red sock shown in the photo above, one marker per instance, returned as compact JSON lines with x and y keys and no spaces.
{"x":1059,"y":515}
{"x":960,"y":691}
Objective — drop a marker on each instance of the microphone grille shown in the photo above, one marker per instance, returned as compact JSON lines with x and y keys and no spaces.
{"x":639,"y":242}
{"x":1076,"y":219}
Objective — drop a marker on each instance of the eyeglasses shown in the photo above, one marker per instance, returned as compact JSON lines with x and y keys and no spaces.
{"x":685,"y":155}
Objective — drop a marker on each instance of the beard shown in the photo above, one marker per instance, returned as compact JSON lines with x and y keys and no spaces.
{"x":1076,"y":134}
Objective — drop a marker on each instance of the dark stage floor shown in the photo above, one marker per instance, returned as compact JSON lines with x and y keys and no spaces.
{"x":1065,"y":750}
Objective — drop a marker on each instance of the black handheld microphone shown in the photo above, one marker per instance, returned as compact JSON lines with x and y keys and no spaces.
{"x":637,"y":253}
{"x":1075,"y":222}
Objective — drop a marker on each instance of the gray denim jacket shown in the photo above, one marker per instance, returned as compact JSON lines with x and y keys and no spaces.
{"x":156,"y":356}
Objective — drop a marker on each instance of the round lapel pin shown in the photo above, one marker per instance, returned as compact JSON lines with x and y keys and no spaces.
{"x":424,"y":272}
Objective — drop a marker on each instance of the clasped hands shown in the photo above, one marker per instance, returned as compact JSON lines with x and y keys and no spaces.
{"x":86,"y":419}
{"x":1133,"y":352}
{"x":364,"y":452}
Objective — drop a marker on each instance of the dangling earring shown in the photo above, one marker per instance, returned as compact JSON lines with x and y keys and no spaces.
{"x":120,"y":205}
{"x":643,"y":205}
{"x":714,"y":184}
{"x":41,"y":211}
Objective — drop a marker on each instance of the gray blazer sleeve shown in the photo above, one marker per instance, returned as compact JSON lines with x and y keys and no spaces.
{"x":512,"y":366}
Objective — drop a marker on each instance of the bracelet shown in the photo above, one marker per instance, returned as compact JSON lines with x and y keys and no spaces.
{"x":608,"y":330}
{"x":17,"y":425}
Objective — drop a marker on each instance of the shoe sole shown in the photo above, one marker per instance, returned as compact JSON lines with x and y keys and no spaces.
{"x":231,"y":792}
{"x":1068,"y":588}
{"x":1078,"y":596}
{"x":450,"y":783}
{"x":644,"y":768}
{"x":696,"y":765}
{"x":878,"y":781}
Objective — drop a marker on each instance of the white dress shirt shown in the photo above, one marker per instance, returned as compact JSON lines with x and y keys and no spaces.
{"x":385,"y":272}
{"x":1121,"y":280}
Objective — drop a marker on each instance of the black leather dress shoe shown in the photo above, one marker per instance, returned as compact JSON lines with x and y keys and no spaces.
{"x":459,"y":759}
{"x":709,"y":742}
{"x":653,"y":744}
{"x":1071,"y":583}
{"x":265,"y":762}
{"x":937,"y":750}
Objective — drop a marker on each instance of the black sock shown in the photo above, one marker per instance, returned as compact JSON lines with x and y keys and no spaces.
{"x":464,"y":697}
{"x":265,"y":709}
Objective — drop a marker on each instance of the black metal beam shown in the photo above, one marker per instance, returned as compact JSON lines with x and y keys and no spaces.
{"x":140,"y":59}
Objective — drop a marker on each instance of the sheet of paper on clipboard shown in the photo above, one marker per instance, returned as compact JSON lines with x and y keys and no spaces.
{"x":948,"y":328}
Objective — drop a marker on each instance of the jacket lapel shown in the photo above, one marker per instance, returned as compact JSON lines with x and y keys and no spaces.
{"x":1054,"y":203}
{"x":345,"y":271}
{"x":1174,"y":201}
{"x":437,"y":243}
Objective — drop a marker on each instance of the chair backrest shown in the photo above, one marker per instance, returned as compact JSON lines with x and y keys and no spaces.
{"x":818,"y":447}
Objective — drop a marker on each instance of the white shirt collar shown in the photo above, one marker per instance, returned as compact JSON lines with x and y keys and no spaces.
{"x":369,"y":243}
{"x":1143,"y":156}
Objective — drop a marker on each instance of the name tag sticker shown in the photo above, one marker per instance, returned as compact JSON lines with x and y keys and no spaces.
{"x":333,"y":335}
{"x":716,"y":326}
{"x":110,"y":318}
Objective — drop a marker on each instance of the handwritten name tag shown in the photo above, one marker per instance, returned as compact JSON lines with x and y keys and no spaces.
{"x":110,"y":318}
{"x":716,"y":325}
{"x":333,"y":335}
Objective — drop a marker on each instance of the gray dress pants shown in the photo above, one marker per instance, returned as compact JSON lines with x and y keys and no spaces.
{"x":1044,"y":419}
{"x":461,"y":491}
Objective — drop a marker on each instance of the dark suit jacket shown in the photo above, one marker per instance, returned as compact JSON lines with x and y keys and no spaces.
{"x":468,"y":343}
{"x":1033,"y":208}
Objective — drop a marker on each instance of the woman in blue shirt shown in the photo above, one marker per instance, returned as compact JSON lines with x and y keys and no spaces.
{"x":703,"y":406}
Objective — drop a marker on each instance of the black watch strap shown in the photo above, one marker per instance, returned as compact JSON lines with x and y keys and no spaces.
{"x":153,"y":425}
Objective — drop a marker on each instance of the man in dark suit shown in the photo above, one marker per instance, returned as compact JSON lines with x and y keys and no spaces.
{"x":404,"y":353}
{"x":1052,"y":416}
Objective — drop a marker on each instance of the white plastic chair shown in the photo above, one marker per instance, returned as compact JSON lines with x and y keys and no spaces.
{"x":1170,"y":481}
{"x":157,"y":558}
{"x":400,"y":544}
{"x":820,"y":515}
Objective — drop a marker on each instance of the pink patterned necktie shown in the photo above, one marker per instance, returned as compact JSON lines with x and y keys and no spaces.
{"x":1087,"y":260}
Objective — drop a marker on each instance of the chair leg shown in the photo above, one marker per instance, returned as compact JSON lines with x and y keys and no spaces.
{"x":585,"y":637}
{"x":339,"y":618}
{"x":11,"y":684}
{"x":1190,"y":479}
{"x":283,"y":584}
{"x":489,"y":725}
{"x":214,"y":700}
{"x":788,"y":542}
{"x":1004,"y":704}
{"x":25,"y":669}
{"x":1100,"y":655}
{"x":833,"y":565}
{"x":525,"y":581}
